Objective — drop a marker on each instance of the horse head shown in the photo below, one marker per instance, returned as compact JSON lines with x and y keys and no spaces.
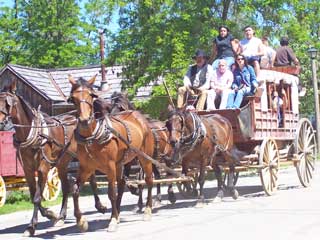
{"x":120,"y":102}
{"x":8,"y":102}
{"x":83,"y":95}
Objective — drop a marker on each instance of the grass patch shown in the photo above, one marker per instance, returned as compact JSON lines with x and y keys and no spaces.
{"x":20,"y":201}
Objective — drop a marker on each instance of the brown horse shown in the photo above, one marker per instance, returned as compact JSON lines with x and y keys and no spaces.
{"x":199,"y":141}
{"x":42,"y":142}
{"x":107,"y":144}
{"x":162,"y":151}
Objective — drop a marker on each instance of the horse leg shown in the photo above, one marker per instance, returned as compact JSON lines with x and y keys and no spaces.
{"x":218,"y":173}
{"x":201,"y":179}
{"x":121,"y":183}
{"x":113,"y":225}
{"x":39,"y":182}
{"x":76,"y":186}
{"x":98,"y":205}
{"x":63,"y":175}
{"x":157,"y":199}
{"x":230,"y":183}
{"x":147,"y":167}
{"x":171,"y":196}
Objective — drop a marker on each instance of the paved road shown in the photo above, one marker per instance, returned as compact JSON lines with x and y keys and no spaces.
{"x":292,"y":214}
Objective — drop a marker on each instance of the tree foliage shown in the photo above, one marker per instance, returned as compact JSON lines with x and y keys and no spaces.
{"x":155,"y":38}
{"x":158,"y":37}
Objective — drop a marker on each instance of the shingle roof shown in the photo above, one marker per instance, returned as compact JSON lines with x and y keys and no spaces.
{"x":53,"y":84}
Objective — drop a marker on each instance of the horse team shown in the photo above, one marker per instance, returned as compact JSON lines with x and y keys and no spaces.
{"x":109,"y":138}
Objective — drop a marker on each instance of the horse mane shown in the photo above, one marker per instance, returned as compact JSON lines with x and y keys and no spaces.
{"x":81,"y":82}
{"x":27,"y":107}
{"x":121,"y":100}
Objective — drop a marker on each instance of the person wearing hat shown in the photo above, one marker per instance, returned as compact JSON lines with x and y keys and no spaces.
{"x":285,"y":55}
{"x":252,"y":48}
{"x":223,"y":47}
{"x":197,"y":80}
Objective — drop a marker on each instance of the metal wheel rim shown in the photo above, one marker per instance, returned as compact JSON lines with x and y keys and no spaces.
{"x":306,"y":152}
{"x":269,"y":158}
{"x":3,"y":192}
{"x":53,"y":185}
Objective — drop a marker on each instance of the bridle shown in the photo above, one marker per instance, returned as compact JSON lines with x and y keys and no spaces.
{"x":84,"y":100}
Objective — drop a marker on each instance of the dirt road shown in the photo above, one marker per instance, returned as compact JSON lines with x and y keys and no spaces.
{"x":293,"y":214}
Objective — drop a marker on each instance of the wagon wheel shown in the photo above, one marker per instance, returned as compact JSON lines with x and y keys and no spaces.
{"x":270,"y":160}
{"x":2,"y":192}
{"x":225,"y":178}
{"x":189,"y":189}
{"x":306,"y":151}
{"x":53,"y":185}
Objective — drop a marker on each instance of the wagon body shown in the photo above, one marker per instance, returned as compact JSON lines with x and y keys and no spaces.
{"x":9,"y":164}
{"x":272,"y":136}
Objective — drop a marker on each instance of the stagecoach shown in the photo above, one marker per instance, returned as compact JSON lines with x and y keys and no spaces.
{"x":12,"y":175}
{"x":272,"y":137}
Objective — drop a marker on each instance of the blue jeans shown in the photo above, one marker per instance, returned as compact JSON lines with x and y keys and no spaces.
{"x":235,"y":98}
{"x":230,"y":61}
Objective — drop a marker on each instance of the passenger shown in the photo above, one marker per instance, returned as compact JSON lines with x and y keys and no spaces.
{"x":244,"y":83}
{"x":285,"y":55}
{"x":223,"y":47}
{"x":267,"y":60}
{"x":252,"y":48}
{"x":220,"y":85}
{"x":279,"y":101}
{"x":197,"y":80}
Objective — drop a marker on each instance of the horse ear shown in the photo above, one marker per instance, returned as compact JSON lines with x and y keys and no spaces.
{"x":71,"y":79}
{"x":91,"y":80}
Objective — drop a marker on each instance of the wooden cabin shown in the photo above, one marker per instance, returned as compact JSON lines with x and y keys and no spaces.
{"x":50,"y":88}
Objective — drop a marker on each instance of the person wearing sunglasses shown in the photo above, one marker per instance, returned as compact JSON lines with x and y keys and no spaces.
{"x":244,"y":83}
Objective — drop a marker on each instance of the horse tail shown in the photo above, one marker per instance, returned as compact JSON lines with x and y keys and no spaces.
{"x":237,"y":154}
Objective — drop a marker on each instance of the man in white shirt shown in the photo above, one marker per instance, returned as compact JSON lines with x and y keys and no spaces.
{"x":197,"y":80}
{"x":220,"y":85}
{"x":252,"y":48}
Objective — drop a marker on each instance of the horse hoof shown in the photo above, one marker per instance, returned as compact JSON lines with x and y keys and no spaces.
{"x":156,"y":203}
{"x":59,"y":223}
{"x":83,"y":224}
{"x":172,"y":197}
{"x":147,"y":214}
{"x":101,"y":209}
{"x":52,"y":216}
{"x":217,"y":199}
{"x":234,"y":194}
{"x":29,"y":232}
{"x":113,"y":225}
{"x":200,"y":203}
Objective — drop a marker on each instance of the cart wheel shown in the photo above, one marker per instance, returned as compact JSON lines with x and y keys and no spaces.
{"x":269,"y":159}
{"x":53,"y":185}
{"x":189,"y":189}
{"x":225,"y":178}
{"x":306,"y":150}
{"x":2,"y":192}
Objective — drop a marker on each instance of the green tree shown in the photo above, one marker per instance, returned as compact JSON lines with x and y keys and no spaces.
{"x":52,"y":34}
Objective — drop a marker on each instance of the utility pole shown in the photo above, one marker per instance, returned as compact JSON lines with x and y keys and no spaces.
{"x":313,"y":56}
{"x":104,"y":83}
